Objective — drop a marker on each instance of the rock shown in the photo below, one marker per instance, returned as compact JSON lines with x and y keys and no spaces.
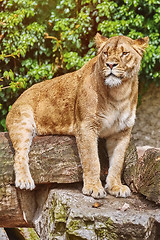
{"x":54,"y":160}
{"x":3,"y":235}
{"x":68,"y":214}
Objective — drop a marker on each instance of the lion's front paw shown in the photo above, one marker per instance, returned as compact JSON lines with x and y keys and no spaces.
{"x":94,"y":191}
{"x":118,"y":190}
{"x":25,"y":182}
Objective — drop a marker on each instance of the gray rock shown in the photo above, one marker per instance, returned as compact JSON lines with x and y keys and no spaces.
{"x":69,"y":215}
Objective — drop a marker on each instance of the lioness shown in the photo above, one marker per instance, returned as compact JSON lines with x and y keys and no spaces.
{"x":98,"y":100}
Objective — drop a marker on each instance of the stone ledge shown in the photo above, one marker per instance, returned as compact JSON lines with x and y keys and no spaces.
{"x":68,"y":214}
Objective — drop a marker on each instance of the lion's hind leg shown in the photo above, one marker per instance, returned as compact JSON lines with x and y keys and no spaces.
{"x":21,"y":131}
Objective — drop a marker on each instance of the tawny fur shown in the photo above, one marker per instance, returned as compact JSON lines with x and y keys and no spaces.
{"x":99,"y":100}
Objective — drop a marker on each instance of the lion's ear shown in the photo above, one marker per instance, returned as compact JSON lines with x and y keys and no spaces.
{"x":141,"y":43}
{"x":99,"y":40}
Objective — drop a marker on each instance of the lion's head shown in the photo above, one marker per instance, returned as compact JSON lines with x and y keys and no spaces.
{"x":119,"y":57}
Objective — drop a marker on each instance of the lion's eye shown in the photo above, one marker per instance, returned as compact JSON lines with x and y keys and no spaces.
{"x":125,"y":53}
{"x":105,"y":53}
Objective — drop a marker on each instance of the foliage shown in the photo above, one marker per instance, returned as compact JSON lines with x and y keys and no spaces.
{"x":41,"y":39}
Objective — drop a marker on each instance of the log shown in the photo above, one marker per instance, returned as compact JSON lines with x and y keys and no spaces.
{"x":143,"y":175}
{"x":53,"y":159}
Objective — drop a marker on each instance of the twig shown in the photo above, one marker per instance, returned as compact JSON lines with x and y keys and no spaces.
{"x":5,"y":87}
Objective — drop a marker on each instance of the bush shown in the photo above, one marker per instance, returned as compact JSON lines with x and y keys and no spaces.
{"x":41,"y":39}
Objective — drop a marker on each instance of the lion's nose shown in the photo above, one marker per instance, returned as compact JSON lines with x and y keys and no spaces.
{"x":111,"y":65}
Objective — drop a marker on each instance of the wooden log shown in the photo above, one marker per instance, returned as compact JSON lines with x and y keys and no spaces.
{"x":143,"y":175}
{"x":53,"y":159}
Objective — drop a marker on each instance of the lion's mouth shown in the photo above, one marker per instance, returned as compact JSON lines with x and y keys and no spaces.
{"x":113,"y":75}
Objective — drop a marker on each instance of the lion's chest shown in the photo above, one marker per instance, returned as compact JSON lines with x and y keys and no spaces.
{"x":116,"y":120}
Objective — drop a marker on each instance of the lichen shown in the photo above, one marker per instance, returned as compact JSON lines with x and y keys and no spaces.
{"x":107,"y":232}
{"x":51,"y":211}
{"x":32,"y":234}
{"x":73,"y":225}
{"x":78,"y":229}
{"x":60,"y":214}
{"x":57,"y":219}
{"x":29,"y":233}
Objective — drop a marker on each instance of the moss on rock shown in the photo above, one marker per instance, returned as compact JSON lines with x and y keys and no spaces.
{"x":74,"y":225}
{"x":107,"y":231}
